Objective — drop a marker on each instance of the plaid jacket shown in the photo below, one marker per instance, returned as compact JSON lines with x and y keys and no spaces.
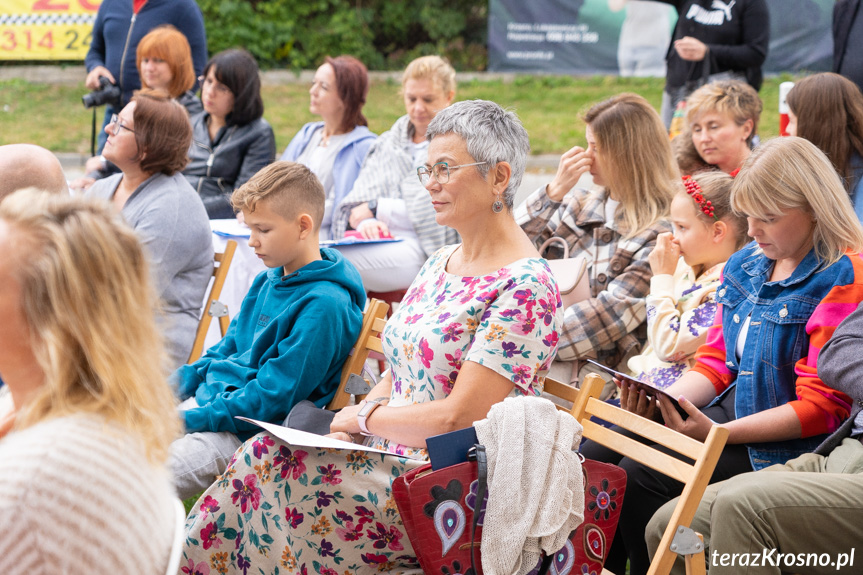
{"x":604,"y":326}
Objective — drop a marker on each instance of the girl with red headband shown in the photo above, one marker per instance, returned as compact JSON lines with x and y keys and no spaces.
{"x":682,"y":300}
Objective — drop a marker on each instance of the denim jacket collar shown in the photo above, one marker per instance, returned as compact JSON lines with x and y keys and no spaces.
{"x":758,"y":267}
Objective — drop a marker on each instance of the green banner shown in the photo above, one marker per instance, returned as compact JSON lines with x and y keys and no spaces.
{"x":631,"y":38}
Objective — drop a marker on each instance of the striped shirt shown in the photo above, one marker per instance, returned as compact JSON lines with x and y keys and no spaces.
{"x":389,"y":171}
{"x":77,"y":495}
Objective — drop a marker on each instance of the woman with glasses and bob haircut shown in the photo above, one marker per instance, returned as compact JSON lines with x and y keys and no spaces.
{"x":93,"y":415}
{"x":489,"y":294}
{"x":148,"y":141}
{"x":781,"y":298}
{"x":335,"y":147}
{"x":616,"y":223}
{"x":231,"y":139}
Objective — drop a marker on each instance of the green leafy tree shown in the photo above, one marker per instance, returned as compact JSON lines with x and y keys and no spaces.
{"x":383,"y":34}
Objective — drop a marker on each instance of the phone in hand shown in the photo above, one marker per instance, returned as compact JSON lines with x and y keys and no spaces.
{"x":649,"y":389}
{"x":450,"y":448}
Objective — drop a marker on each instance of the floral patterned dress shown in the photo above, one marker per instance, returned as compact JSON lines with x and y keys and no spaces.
{"x":284,"y":509}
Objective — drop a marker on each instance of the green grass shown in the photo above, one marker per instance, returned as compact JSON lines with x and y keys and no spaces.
{"x":549,"y":106}
{"x":44,"y":114}
{"x":189,"y":503}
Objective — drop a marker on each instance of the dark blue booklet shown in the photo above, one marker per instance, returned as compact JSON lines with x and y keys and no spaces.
{"x":450,"y":448}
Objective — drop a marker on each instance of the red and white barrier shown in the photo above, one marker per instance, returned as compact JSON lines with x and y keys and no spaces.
{"x":784,"y":88}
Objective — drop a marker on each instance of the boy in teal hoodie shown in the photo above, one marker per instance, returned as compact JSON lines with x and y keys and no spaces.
{"x":294,"y":330}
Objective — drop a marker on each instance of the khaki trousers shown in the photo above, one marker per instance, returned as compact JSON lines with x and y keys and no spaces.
{"x":810,"y":508}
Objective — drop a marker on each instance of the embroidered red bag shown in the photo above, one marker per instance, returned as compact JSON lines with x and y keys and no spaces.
{"x":437,"y":509}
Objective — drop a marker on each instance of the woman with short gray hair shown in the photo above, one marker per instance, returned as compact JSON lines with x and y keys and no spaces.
{"x":478,"y":324}
{"x":491,"y":135}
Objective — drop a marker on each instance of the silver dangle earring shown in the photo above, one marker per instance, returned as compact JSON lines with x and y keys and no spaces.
{"x":497,"y":206}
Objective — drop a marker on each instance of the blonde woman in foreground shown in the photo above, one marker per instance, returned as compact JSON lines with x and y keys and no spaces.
{"x":82,"y":483}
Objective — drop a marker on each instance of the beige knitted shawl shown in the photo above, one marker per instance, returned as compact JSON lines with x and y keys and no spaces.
{"x":536,"y":487}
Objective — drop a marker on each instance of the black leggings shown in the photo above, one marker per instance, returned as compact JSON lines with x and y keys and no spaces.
{"x":648,"y":490}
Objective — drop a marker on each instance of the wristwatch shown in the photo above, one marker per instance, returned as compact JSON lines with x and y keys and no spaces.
{"x":365,"y":412}
{"x":373,"y":206}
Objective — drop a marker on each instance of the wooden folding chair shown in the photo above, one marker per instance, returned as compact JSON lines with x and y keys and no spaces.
{"x":694,"y":476}
{"x":391,"y":298}
{"x":562,"y":394}
{"x":213,"y":307}
{"x":374,"y":320}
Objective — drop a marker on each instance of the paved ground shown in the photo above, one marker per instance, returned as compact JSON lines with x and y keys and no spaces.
{"x":532,"y":180}
{"x":74,"y":74}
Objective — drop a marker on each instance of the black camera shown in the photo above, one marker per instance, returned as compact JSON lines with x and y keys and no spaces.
{"x":107,"y":93}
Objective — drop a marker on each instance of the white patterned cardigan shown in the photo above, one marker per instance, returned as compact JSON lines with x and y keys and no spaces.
{"x":388,"y":172}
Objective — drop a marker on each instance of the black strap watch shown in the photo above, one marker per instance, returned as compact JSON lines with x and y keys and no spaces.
{"x":373,"y":206}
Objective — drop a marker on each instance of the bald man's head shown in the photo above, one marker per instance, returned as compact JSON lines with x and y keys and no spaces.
{"x":29,"y":166}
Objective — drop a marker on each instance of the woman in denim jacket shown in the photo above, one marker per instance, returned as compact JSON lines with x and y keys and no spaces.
{"x":781,"y":298}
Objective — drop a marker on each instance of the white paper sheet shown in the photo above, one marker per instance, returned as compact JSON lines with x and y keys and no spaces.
{"x":358,"y":242}
{"x":230,"y":228}
{"x":306,"y":439}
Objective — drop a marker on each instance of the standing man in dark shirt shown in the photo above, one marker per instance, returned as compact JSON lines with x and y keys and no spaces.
{"x":120,"y":25}
{"x":848,"y":40}
{"x":729,"y":36}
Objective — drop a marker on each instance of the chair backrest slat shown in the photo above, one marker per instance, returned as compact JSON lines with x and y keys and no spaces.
{"x":375,"y":345}
{"x":368,"y":340}
{"x":644,"y":454}
{"x":560,"y":390}
{"x":220,"y":273}
{"x":659,"y":433}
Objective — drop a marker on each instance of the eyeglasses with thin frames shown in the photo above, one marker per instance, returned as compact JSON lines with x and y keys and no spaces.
{"x":440,"y":171}
{"x":116,"y":124}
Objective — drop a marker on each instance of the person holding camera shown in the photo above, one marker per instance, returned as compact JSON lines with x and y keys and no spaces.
{"x":164,"y":62}
{"x":120,"y":25}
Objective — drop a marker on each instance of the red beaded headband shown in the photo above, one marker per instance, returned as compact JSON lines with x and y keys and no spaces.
{"x":694,"y":190}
